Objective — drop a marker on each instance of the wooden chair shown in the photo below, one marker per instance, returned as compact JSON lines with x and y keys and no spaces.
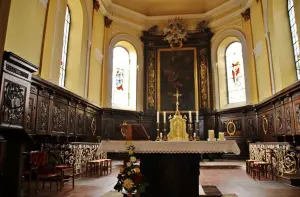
{"x":261,"y":167}
{"x":43,"y":173}
{"x":66,"y":172}
{"x":93,"y":166}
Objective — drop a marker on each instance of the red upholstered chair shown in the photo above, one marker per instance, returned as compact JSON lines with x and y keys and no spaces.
{"x":43,"y":173}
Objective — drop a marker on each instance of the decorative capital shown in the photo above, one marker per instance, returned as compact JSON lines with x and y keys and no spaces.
{"x":246,"y":14}
{"x":107,"y":22}
{"x":96,"y":5}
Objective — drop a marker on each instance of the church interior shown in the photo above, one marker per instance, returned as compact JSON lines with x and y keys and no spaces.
{"x":151,"y":98}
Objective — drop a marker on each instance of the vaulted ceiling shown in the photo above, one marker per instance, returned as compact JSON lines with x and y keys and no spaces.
{"x":169,"y":7}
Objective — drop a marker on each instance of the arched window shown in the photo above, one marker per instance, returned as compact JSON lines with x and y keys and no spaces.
{"x":63,"y":63}
{"x":124,"y":76}
{"x":294,"y":36}
{"x":235,"y":73}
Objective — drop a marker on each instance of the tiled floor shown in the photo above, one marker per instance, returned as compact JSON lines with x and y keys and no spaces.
{"x":229,"y":177}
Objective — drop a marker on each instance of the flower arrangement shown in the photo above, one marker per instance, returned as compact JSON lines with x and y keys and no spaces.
{"x":130,"y":177}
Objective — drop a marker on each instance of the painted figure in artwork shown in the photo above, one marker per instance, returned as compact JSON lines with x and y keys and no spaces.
{"x":119,"y":79}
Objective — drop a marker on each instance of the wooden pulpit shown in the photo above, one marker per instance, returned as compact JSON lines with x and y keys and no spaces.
{"x":134,"y":132}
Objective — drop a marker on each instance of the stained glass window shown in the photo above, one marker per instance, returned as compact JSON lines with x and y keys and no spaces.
{"x":124,"y":79}
{"x":294,"y":36}
{"x":63,"y":62}
{"x":235,"y":73}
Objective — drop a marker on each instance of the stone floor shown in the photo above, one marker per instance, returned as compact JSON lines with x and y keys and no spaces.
{"x":229,"y":176}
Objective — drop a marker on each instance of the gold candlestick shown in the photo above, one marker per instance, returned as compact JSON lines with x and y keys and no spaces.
{"x":157,"y":132}
{"x":190,"y":127}
{"x":197,"y":131}
{"x":165,"y":137}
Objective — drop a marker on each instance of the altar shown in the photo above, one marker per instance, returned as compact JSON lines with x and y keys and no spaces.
{"x":171,"y":168}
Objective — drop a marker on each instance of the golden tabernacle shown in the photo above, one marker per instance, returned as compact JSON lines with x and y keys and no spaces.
{"x":134,"y":132}
{"x":177,"y":124}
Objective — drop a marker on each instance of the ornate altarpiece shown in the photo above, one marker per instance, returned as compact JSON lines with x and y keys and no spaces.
{"x":191,"y":64}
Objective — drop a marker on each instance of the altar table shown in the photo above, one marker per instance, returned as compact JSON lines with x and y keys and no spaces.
{"x":171,"y":167}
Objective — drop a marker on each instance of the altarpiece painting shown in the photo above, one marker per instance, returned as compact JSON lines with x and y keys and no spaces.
{"x":177,"y":70}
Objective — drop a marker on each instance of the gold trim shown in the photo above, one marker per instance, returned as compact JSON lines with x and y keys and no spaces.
{"x":234,"y":128}
{"x":265,"y":120}
{"x":195,"y":77}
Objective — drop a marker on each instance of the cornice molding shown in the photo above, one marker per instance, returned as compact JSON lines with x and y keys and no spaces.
{"x":108,"y":9}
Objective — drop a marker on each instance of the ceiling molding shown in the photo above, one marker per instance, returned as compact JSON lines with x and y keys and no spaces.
{"x":108,"y":8}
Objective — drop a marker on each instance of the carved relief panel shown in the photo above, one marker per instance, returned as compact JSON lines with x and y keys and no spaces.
{"x":232,"y":127}
{"x":80,"y":122}
{"x":71,"y":121}
{"x":297,"y":115}
{"x":203,"y":58}
{"x":279,"y":120}
{"x":13,"y":101}
{"x":151,"y":69}
{"x":59,"y":118}
{"x":90,"y":124}
{"x":42,"y":115}
{"x":266,"y":124}
{"x":289,"y":118}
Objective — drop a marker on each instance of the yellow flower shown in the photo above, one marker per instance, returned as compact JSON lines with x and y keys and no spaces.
{"x":130,"y":152}
{"x":128,"y":164}
{"x":129,"y":173}
{"x":132,"y":159}
{"x":128,"y":184}
{"x":137,"y":170}
{"x":121,"y":170}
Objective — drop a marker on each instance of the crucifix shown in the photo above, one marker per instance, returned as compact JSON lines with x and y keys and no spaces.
{"x":177,"y":95}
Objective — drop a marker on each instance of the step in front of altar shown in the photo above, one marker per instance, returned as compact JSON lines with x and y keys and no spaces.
{"x":209,"y":191}
{"x":204,"y":191}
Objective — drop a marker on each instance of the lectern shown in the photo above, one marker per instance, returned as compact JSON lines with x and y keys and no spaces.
{"x":134,"y":132}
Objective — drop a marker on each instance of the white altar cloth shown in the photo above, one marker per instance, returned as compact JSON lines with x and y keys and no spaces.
{"x":173,"y":147}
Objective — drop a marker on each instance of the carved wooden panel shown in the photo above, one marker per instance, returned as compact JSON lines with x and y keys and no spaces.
{"x":80,"y":122}
{"x":108,"y":129}
{"x":297,"y":115}
{"x":151,"y":70}
{"x":266,"y":125}
{"x":289,"y":118}
{"x":71,"y":121}
{"x":31,"y":114}
{"x":13,"y":101}
{"x":58,"y":118}
{"x":232,"y":127}
{"x":204,"y":84}
{"x":279,"y":120}
{"x":42,"y":115}
{"x":251,"y":127}
{"x":90,"y":124}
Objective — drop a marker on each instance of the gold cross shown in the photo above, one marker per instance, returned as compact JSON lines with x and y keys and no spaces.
{"x":177,"y":102}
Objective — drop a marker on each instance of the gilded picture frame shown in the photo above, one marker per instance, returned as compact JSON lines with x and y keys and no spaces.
{"x":195,"y":75}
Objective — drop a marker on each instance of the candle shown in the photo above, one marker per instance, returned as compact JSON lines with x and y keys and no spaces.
{"x":211,"y":134}
{"x":161,"y":135}
{"x":194,"y":135}
{"x":190,"y":116}
{"x":221,"y":136}
{"x":158,"y":117}
{"x":197,"y":115}
{"x":164,"y":117}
